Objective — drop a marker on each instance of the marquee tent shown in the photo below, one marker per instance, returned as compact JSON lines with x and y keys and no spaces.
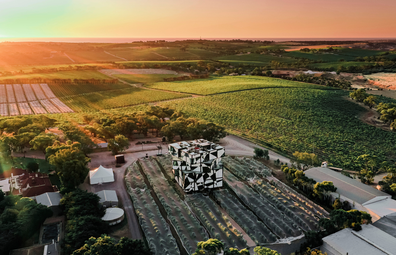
{"x":101,"y":175}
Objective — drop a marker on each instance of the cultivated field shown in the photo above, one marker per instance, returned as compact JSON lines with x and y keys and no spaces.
{"x":296,"y":119}
{"x":226,"y":84}
{"x":95,"y":101}
{"x":265,"y":212}
{"x":25,"y":99}
{"x":383,"y":80}
{"x":83,"y":74}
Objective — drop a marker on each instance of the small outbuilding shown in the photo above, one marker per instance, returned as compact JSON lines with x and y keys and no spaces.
{"x":51,"y":200}
{"x":101,"y":175}
{"x":108,"y":198}
{"x":120,"y":159}
{"x":113,"y":215}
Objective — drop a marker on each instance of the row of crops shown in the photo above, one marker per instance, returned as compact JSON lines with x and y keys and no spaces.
{"x":154,"y":226}
{"x":296,"y":119}
{"x":188,"y":228}
{"x":265,"y":211}
{"x":95,"y":101}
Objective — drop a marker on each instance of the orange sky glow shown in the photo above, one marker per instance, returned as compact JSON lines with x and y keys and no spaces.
{"x":193,"y":18}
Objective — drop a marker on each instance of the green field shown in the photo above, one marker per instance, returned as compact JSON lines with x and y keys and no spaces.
{"x":296,"y":119}
{"x":96,"y":101}
{"x":144,"y":78}
{"x":326,"y":57}
{"x":62,"y":90}
{"x":84,"y":74}
{"x":335,"y":65}
{"x":257,"y":57}
{"x":226,"y":84}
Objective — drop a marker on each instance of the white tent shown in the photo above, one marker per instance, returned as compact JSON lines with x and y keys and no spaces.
{"x":101,"y":175}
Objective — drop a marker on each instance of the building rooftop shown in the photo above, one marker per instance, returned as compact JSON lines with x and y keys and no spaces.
{"x":369,"y":240}
{"x":387,"y":224}
{"x":49,"y":198}
{"x":348,"y":187}
{"x":107,"y":195}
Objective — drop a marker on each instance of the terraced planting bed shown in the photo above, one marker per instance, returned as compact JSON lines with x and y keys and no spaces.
{"x":186,"y":225}
{"x":154,"y":226}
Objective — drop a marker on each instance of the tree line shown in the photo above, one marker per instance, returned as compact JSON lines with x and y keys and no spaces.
{"x":60,"y":81}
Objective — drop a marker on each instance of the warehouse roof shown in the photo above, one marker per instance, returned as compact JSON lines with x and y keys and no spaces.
{"x":369,"y":240}
{"x":348,"y":187}
{"x":387,"y":224}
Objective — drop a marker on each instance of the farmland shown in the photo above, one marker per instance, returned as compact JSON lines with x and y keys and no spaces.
{"x":86,"y":74}
{"x":28,"y":99}
{"x":296,"y":119}
{"x":266,"y":214}
{"x":226,"y":84}
{"x":96,"y":101}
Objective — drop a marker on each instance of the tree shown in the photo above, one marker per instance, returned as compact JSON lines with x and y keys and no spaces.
{"x":265,"y":251}
{"x":337,"y":204}
{"x":105,"y":245}
{"x":42,"y":141}
{"x":118,"y":144}
{"x":306,"y":159}
{"x":235,"y":251}
{"x":258,"y":153}
{"x":32,"y":167}
{"x":71,"y":165}
{"x":370,"y":101}
{"x":209,"y":247}
{"x":81,"y":203}
{"x":314,"y":252}
{"x":359,"y":95}
{"x":322,"y":188}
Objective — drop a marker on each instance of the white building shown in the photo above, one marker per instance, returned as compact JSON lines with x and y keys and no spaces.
{"x":108,"y":198}
{"x":101,"y":175}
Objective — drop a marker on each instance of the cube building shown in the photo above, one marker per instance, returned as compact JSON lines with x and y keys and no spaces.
{"x":197,"y":164}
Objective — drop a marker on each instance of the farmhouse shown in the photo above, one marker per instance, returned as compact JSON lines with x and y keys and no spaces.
{"x":361,"y":196}
{"x":197,"y":164}
{"x":369,"y":240}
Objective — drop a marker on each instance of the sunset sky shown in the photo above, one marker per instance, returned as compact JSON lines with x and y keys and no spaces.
{"x":195,"y":18}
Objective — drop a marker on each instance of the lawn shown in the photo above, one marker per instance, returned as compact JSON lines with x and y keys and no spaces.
{"x":85,"y":74}
{"x":296,"y":119}
{"x":116,"y":98}
{"x":227,"y":83}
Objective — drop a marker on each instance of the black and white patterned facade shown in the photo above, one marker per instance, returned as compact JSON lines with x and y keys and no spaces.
{"x":197,"y":164}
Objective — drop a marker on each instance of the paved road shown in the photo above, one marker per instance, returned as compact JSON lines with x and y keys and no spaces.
{"x":237,"y":146}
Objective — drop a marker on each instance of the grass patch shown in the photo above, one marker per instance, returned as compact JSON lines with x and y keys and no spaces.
{"x":226,"y":84}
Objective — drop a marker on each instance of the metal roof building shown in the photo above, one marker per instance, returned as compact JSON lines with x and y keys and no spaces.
{"x":370,"y":240}
{"x":387,"y":224}
{"x":49,"y":199}
{"x":108,"y":198}
{"x":362,"y":196}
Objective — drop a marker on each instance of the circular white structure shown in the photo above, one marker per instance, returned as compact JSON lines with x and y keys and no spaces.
{"x":113,"y":215}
